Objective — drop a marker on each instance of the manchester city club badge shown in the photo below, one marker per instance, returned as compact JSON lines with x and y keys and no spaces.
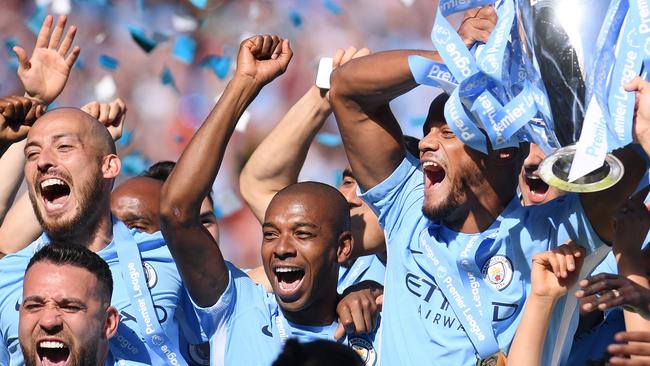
{"x":497,"y":271}
{"x":364,"y":349}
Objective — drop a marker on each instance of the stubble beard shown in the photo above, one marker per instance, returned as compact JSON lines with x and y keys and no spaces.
{"x":65,"y":230}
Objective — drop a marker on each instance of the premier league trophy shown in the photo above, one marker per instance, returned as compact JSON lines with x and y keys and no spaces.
{"x":551,"y":73}
{"x":560,"y":37}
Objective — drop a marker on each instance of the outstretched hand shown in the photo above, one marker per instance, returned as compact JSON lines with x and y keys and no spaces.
{"x":263,"y":58}
{"x":611,"y":291}
{"x":111,"y":115}
{"x":555,"y":271}
{"x":359,"y":308}
{"x":45,"y":74}
{"x":17,"y":114}
{"x":477,"y":25}
{"x":631,"y":345}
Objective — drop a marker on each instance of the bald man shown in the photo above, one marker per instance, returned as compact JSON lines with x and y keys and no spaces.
{"x":70,"y":169}
{"x":306,"y":237}
{"x":136,"y":202}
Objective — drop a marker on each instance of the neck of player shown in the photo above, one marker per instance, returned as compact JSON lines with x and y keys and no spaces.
{"x":479,"y":212}
{"x":321,"y":311}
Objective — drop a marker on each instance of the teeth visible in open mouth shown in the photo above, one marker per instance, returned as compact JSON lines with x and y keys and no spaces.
{"x":287,"y":269}
{"x":52,"y":344}
{"x":427,"y":164}
{"x":51,"y":182}
{"x":533,"y":177}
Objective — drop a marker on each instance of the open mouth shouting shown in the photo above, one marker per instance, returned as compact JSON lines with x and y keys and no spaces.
{"x":55,"y":193}
{"x":536,"y":187}
{"x":53,"y":353}
{"x":434,"y":174}
{"x":288,"y":280}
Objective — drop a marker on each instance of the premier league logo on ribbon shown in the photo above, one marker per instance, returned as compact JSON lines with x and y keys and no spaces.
{"x":551,"y":73}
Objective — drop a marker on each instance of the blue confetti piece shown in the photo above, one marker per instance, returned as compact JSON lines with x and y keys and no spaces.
{"x":125,"y":140}
{"x":80,"y":64}
{"x":35,"y":21}
{"x":329,"y":139}
{"x":167,"y":78}
{"x":201,"y":4}
{"x":184,"y":49}
{"x":296,"y":19}
{"x":220,"y":65}
{"x":147,"y":44}
{"x":418,"y":121}
{"x":108,"y":62}
{"x":10,"y":43}
{"x":333,"y":7}
{"x":134,"y":164}
{"x":179,"y":139}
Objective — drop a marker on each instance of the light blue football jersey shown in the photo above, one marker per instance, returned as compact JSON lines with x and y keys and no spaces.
{"x":248,"y":328}
{"x":419,"y":325}
{"x":364,"y":268}
{"x":173,"y":307}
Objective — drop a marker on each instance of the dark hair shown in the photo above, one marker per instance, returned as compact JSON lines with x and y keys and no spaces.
{"x":161,"y":171}
{"x":437,"y":109}
{"x":411,"y":144}
{"x":75,"y":255}
{"x":317,"y":353}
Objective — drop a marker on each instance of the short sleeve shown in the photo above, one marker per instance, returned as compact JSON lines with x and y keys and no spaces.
{"x":241,"y":292}
{"x":399,"y":196}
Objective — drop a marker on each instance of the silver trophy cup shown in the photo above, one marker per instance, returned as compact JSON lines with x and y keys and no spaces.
{"x":559,"y":39}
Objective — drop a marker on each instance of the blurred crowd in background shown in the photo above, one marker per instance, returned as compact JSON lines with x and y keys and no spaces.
{"x":170,"y":60}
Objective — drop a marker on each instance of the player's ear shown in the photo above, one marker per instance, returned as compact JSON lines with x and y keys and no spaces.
{"x":345,"y":245}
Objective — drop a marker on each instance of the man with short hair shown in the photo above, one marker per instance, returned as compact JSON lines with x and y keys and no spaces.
{"x":306,"y":237}
{"x":459,"y":243}
{"x":70,"y":169}
{"x":66,"y":315}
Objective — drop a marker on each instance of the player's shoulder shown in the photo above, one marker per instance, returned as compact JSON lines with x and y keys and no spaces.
{"x":18,"y":261}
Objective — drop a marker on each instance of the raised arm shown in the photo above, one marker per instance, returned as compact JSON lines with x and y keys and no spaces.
{"x":360,"y":93}
{"x":553,"y":273}
{"x":198,"y":258}
{"x":288,"y":144}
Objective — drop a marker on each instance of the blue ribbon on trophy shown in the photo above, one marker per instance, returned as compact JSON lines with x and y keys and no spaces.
{"x":551,"y":73}
{"x":544,"y":77}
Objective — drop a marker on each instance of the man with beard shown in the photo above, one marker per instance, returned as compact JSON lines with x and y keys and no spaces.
{"x":306,"y":236}
{"x":459,"y":243}
{"x":66,"y":317}
{"x":70,"y":168}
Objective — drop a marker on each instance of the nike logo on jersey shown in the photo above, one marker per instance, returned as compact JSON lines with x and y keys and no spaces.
{"x":266,"y":331}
